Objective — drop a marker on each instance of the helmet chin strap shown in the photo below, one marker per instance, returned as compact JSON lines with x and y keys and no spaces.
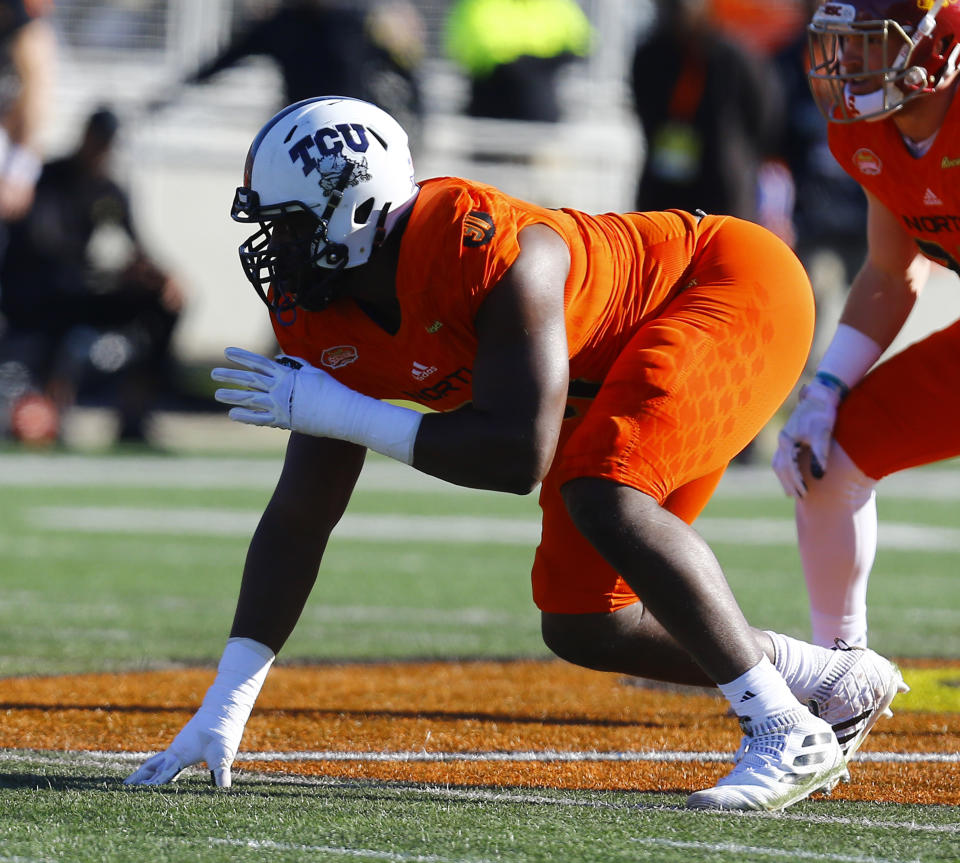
{"x":951,"y":66}
{"x":871,"y":106}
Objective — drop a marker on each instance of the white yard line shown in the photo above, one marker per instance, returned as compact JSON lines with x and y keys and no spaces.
{"x":39,"y":470}
{"x":36,"y":470}
{"x":223,"y":522}
{"x":388,"y":527}
{"x":123,"y":760}
{"x":483,"y":795}
{"x":491,"y":756}
{"x":269,"y":845}
{"x":746,"y":852}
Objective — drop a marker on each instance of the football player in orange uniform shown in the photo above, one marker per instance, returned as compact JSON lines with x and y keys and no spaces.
{"x":885,"y":75}
{"x":617,"y":361}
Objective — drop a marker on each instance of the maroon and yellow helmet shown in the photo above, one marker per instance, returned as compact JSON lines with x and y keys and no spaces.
{"x":903,"y":49}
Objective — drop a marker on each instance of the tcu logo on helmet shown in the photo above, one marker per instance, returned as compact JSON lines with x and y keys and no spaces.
{"x":328,"y":142}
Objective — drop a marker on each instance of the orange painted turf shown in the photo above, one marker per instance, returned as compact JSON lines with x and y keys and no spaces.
{"x":456,"y":707}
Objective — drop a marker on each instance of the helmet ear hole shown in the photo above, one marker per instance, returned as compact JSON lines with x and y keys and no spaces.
{"x":362,"y":214}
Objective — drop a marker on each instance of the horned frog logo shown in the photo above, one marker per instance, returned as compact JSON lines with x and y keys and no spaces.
{"x":331,"y":169}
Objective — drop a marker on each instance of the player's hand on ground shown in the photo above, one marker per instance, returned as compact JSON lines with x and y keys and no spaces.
{"x":811,"y":426}
{"x":216,"y":729}
{"x":203,"y":738}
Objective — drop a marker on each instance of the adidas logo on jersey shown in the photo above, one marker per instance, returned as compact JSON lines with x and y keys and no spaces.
{"x":931,"y":199}
{"x":422,"y":372}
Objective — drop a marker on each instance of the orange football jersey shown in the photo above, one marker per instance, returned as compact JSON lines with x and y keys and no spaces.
{"x":460,"y":240}
{"x":917,"y":410}
{"x":923,"y":193}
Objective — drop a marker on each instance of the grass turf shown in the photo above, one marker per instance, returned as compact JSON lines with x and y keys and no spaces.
{"x":58,"y":809}
{"x":114,"y":598}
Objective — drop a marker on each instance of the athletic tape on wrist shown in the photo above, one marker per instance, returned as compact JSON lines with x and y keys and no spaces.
{"x":240,"y":674}
{"x":335,"y":410}
{"x":385,"y":428}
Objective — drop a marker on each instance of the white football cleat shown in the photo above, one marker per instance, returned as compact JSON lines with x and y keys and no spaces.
{"x":855,"y":690}
{"x":782,"y":759}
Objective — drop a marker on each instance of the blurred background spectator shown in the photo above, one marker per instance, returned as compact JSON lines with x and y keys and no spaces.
{"x":762,"y":26}
{"x":711,"y":112}
{"x":805,"y":196}
{"x":512,"y":51}
{"x":83,"y":301}
{"x":27,"y":67}
{"x":335,"y":47}
{"x":829,"y":214}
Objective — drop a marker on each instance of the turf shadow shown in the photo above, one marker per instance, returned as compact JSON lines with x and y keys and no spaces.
{"x":438,"y":715}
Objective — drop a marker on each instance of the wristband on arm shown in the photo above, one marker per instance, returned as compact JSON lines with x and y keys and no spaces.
{"x":847,"y":359}
{"x":832,"y":382}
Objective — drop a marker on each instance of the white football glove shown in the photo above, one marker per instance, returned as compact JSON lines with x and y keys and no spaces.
{"x":214,"y":732}
{"x":199,"y":740}
{"x":264,"y":391}
{"x":810,"y":425}
{"x":290,"y":393}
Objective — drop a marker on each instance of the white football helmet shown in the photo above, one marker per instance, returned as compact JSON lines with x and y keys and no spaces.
{"x":342,"y":163}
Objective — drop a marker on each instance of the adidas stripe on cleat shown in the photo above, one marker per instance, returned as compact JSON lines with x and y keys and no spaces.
{"x":856,"y":688}
{"x":782,"y":760}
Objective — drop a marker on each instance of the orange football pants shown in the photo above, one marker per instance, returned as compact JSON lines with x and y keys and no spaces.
{"x":689,"y":391}
{"x":906,"y":412}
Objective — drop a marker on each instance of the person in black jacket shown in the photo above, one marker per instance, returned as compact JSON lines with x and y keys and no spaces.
{"x":710,"y":114}
{"x":82,"y":299}
{"x":829,"y":215}
{"x":327,"y":46}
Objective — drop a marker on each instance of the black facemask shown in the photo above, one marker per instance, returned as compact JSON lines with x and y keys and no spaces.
{"x":298,"y":269}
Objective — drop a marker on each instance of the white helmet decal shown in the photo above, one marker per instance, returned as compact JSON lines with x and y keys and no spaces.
{"x":345,"y":161}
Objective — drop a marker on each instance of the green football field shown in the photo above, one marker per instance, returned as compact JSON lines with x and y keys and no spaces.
{"x":130,"y":563}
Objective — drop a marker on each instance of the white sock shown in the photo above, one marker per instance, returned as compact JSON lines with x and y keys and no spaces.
{"x":800,"y":664}
{"x":759,"y":693}
{"x":837,"y":530}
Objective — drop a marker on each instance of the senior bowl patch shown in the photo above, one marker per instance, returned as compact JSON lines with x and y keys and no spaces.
{"x":341,"y":355}
{"x":478,"y":228}
{"x":867,"y":162}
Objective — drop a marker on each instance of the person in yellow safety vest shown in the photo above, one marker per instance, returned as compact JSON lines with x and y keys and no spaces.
{"x":513,"y":50}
